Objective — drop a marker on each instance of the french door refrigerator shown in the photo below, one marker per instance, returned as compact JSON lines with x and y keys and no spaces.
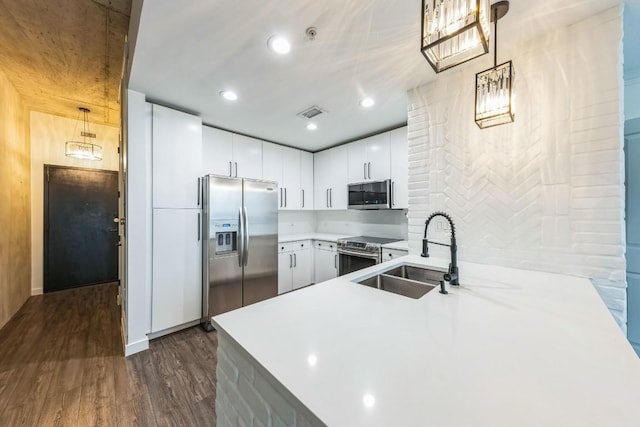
{"x":240,"y":247}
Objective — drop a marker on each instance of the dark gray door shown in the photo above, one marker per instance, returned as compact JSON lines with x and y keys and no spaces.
{"x":80,"y":237}
{"x":632,"y":182}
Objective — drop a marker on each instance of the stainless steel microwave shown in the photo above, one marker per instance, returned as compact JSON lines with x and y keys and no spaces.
{"x":370,"y":195}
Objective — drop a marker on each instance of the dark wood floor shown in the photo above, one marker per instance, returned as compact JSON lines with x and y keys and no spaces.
{"x":61,"y":364}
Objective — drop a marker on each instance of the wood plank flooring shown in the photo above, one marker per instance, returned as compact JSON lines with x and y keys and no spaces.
{"x":61,"y":364}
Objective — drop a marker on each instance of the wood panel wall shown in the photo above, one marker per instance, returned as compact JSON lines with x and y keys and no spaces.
{"x":15,"y":205}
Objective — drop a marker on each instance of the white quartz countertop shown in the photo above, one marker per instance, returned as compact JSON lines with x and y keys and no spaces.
{"x":507,"y":348}
{"x":311,"y":236}
{"x":402,"y":245}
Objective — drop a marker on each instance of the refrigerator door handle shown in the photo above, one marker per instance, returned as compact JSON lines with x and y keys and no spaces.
{"x":246,"y":237}
{"x":240,"y":238}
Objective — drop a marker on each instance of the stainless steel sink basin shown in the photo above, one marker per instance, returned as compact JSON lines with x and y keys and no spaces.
{"x":406,"y":280}
{"x":425,"y":275}
{"x":406,"y":287}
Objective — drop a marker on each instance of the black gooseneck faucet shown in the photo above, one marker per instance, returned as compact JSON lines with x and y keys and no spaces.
{"x":452,"y":275}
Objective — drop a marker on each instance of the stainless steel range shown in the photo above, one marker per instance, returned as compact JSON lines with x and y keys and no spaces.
{"x":356,"y":253}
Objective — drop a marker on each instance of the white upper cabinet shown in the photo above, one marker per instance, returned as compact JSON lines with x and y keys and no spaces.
{"x":369,"y":159}
{"x":228,"y":154}
{"x":247,"y":157}
{"x":330,"y":178}
{"x":217,"y":151}
{"x":177,"y":161}
{"x":272,"y":162}
{"x":306,"y":180}
{"x":399,"y":168}
{"x":291,"y":178}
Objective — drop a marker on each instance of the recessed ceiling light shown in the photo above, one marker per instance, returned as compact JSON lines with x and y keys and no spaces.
{"x":279,"y":45}
{"x":229,"y":95}
{"x":312,"y":126}
{"x":367,"y":102}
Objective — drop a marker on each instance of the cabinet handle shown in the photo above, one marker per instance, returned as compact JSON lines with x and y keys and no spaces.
{"x":236,"y":169}
{"x":327,"y":197}
{"x":290,"y":261}
{"x":295,"y":261}
{"x":285,"y":197}
{"x":393,"y":194}
{"x":369,"y":169}
{"x":303,"y":198}
{"x":335,"y":261}
{"x":280,"y":196}
{"x":199,"y":191}
{"x":365,"y":170}
{"x":198,"y":226}
{"x":331,"y":197}
{"x":230,"y":169}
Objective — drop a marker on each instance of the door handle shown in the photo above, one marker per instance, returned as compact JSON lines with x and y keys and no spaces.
{"x":230,"y":170}
{"x":369,"y":164}
{"x":335,"y":261}
{"x":240,"y":238}
{"x":295,"y":261}
{"x":120,"y":221}
{"x":246,"y":236}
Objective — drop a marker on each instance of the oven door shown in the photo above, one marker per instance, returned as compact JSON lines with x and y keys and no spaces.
{"x":350,"y":261}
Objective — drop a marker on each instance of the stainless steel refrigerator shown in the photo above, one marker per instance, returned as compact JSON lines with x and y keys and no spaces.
{"x":240,"y":247}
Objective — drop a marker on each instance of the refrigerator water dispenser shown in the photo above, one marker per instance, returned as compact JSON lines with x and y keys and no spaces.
{"x":225,"y":237}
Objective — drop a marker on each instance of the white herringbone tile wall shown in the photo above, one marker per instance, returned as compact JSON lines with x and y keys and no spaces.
{"x":543,"y":193}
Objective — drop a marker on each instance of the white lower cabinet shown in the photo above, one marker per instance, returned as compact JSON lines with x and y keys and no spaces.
{"x":325,"y":261}
{"x":295,"y":265}
{"x":389,"y":254}
{"x":176,"y":276}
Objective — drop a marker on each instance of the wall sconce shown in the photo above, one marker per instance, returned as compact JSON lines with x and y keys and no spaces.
{"x":494,"y":87}
{"x":454,"y":31}
{"x":83,"y":150}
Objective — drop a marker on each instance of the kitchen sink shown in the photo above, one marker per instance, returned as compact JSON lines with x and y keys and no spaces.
{"x":425,"y":275}
{"x":406,"y":280}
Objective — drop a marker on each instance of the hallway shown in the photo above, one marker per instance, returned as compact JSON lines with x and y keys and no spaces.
{"x":61,"y":363}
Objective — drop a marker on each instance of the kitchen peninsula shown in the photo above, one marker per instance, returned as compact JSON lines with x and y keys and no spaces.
{"x":508,"y":347}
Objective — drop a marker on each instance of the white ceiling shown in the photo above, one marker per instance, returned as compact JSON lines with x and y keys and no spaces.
{"x":186,"y":54}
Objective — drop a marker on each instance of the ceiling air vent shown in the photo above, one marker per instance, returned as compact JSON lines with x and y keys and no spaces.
{"x":311,"y":112}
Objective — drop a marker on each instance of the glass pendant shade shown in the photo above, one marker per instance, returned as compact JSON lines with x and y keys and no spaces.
{"x":83,"y":150}
{"x":454,"y":31}
{"x":494,"y":96}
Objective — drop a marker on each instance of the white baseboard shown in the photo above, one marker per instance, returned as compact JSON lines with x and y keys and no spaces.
{"x":136,"y":347}
{"x":36,"y":291}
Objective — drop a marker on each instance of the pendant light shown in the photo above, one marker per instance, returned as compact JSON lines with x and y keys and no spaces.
{"x":494,"y":87}
{"x":454,"y":31}
{"x":83,"y":150}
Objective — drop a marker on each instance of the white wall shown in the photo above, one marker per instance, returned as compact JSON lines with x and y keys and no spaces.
{"x":632,"y":97}
{"x":383,"y":223}
{"x":546,"y":192}
{"x":48,"y":136}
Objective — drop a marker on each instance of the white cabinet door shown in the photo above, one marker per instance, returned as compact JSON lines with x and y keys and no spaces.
{"x":302,"y":267}
{"x":399,"y":168}
{"x":306,"y":180}
{"x":389,"y":254}
{"x":247,"y":157}
{"x":272,"y":162}
{"x":177,"y":158}
{"x":357,"y":153}
{"x":321,"y":179}
{"x":217,"y":151}
{"x":326,"y":264}
{"x":338,"y":196}
{"x":176,"y":271}
{"x":285,"y":265}
{"x":378,"y":163}
{"x":291,"y":178}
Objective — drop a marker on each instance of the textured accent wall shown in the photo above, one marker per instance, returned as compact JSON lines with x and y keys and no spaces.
{"x":48,"y":136}
{"x":15,"y":215}
{"x":546,"y":192}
